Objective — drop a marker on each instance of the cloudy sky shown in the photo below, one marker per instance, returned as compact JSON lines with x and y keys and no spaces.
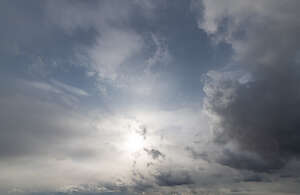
{"x":125,"y":97}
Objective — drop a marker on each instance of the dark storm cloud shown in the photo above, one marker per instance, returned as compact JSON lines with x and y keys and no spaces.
{"x":243,"y":160}
{"x":261,"y":113}
{"x":253,"y":178}
{"x":173,"y":179}
{"x":263,"y":117}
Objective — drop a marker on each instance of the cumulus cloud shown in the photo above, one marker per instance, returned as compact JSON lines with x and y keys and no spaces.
{"x":260,"y":114}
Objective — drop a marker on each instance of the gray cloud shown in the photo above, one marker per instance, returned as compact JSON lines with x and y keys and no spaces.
{"x":196,"y":154}
{"x":142,"y":130}
{"x":259,"y":114}
{"x":25,"y":134}
{"x":155,"y":154}
{"x":253,"y":178}
{"x":41,"y":133}
{"x":173,"y":178}
{"x":246,"y":160}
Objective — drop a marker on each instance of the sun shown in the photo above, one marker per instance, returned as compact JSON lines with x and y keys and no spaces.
{"x":135,"y":142}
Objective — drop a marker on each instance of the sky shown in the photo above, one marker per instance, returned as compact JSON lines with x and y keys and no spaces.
{"x":153,"y":97}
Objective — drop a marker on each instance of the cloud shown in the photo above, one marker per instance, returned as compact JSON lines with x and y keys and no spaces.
{"x":173,"y":179}
{"x":253,"y":178}
{"x":248,"y":161}
{"x":41,"y":133}
{"x":56,"y":87}
{"x":155,"y":154}
{"x":115,"y":42}
{"x":38,"y":134}
{"x":122,"y":57}
{"x":161,"y":55}
{"x":57,"y":91}
{"x":68,"y":88}
{"x":112,"y":49}
{"x":260,"y":114}
{"x":33,"y":133}
{"x":42,"y":86}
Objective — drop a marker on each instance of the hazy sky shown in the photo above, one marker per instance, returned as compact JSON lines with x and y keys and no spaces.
{"x":125,"y":97}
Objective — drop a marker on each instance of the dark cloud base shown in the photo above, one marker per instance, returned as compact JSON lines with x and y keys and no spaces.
{"x":262,"y":117}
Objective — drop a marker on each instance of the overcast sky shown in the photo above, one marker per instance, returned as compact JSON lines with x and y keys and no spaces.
{"x":125,"y":97}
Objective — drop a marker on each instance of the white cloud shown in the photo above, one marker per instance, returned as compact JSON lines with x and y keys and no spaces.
{"x":56,"y":91}
{"x":112,"y":49}
{"x":68,"y":88}
{"x":260,"y":31}
{"x":42,"y":86}
{"x":118,"y":58}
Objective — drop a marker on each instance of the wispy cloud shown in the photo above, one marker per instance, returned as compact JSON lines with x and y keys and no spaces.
{"x":68,"y":88}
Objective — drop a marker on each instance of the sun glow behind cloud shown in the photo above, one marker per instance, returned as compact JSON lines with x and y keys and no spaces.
{"x":134,"y":143}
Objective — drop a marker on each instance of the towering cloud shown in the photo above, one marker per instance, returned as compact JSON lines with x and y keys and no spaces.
{"x":256,"y":109}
